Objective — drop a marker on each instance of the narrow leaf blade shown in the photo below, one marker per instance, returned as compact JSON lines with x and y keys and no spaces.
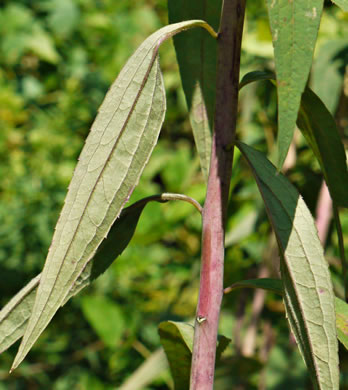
{"x":196,"y":54}
{"x":117,"y":149}
{"x":15,"y":314}
{"x":294,"y":27}
{"x":308,"y":294}
{"x":320,"y":130}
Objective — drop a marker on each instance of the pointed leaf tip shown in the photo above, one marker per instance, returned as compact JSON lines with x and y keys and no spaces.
{"x":290,"y":22}
{"x":121,"y":140}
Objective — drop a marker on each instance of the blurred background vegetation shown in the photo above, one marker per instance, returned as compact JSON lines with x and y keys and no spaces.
{"x":57,"y":59}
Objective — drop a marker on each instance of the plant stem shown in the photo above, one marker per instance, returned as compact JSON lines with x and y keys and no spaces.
{"x":215,"y":207}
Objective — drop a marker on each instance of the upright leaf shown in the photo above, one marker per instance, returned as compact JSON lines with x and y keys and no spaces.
{"x":196,"y":54}
{"x":308,"y":295}
{"x":116,"y":151}
{"x":320,"y":130}
{"x":294,"y":27}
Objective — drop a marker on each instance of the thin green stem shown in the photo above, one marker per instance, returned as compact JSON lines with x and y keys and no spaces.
{"x":165,"y":197}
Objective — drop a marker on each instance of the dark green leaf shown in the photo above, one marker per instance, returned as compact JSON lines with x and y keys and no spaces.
{"x":294,"y":27}
{"x":319,"y":128}
{"x":308,"y":294}
{"x":196,"y":54}
{"x":256,"y":75}
{"x":177,"y":341}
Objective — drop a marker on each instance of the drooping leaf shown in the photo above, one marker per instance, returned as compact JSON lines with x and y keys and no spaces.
{"x":15,"y":314}
{"x":342,"y":4}
{"x":320,"y":130}
{"x":342,"y":321}
{"x":153,"y":367}
{"x":308,"y":294}
{"x":116,"y":151}
{"x":294,"y":26}
{"x":196,"y":54}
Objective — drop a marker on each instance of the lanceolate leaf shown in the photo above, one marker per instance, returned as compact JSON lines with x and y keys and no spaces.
{"x":320,"y":130}
{"x":294,"y":27}
{"x":14,"y":316}
{"x":116,"y":151}
{"x":308,"y":295}
{"x":196,"y":53}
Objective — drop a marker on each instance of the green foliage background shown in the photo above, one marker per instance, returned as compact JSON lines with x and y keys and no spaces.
{"x":58,"y":58}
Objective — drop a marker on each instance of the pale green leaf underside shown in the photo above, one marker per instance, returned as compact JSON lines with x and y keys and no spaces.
{"x":343,"y":4}
{"x":308,"y":294}
{"x":294,"y":27}
{"x":15,"y":314}
{"x":117,"y":149}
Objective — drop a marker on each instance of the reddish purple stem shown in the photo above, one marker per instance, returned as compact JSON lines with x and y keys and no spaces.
{"x":215,"y":208}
